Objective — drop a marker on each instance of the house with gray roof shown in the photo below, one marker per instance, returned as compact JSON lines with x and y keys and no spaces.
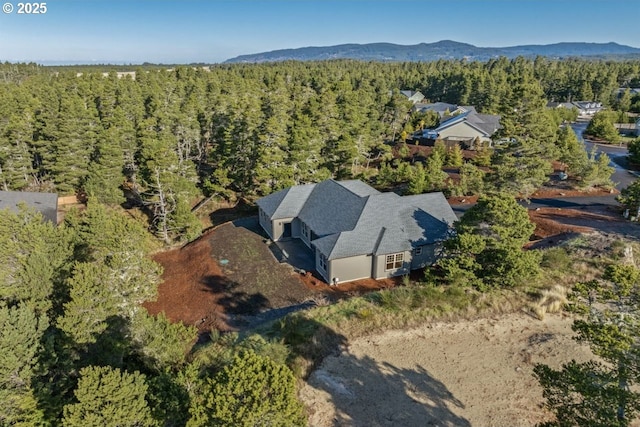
{"x":588,"y":108}
{"x":553,"y":104}
{"x":585,"y":108}
{"x":442,"y":108}
{"x":45,"y":203}
{"x":413,"y":96}
{"x":357,"y":232}
{"x":464,"y":128}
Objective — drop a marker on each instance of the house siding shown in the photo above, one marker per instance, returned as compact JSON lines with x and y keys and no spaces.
{"x":461,"y":130}
{"x":266,"y":223}
{"x":320,"y":270}
{"x":379,"y":266}
{"x":304,"y":238}
{"x":278,"y":227}
{"x":296,"y":231}
{"x":352,"y":268}
{"x":427,"y":257}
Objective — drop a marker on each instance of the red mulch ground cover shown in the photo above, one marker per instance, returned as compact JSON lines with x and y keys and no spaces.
{"x":183,"y":296}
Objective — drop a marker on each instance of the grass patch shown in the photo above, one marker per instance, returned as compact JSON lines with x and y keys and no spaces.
{"x":314,"y":334}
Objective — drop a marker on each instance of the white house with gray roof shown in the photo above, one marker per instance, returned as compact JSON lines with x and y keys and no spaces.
{"x":357,"y":232}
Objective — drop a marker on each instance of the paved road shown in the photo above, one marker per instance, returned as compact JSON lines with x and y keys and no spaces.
{"x":560,"y":202}
{"x":622,"y":177}
{"x":617,"y":154}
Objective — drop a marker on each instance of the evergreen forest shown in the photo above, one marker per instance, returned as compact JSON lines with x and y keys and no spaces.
{"x":165,"y":138}
{"x":76,"y":346}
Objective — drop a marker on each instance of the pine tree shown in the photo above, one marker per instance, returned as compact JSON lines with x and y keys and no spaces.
{"x":167,"y":182}
{"x":253,"y":390}
{"x":107,"y":169}
{"x":487,"y":248}
{"x":601,"y":126}
{"x":596,"y":393}
{"x":109,"y":397}
{"x":454,"y":157}
{"x":471,"y":180}
{"x":21,"y":330}
{"x":160,"y":343}
{"x":35,"y":256}
{"x":68,"y":153}
{"x":436,"y":177}
{"x":418,"y":182}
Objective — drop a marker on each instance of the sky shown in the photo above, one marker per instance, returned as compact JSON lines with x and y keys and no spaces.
{"x":198,"y":31}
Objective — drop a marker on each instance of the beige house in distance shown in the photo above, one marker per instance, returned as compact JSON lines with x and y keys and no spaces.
{"x":464,"y":127}
{"x":354,"y":231}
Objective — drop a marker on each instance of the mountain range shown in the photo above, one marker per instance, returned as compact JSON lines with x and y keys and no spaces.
{"x":444,"y":49}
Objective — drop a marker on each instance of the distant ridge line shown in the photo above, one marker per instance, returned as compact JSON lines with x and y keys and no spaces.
{"x":444,"y":49}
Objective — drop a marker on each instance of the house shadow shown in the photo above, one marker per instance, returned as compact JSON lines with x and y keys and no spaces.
{"x":367,"y":393}
{"x":250,"y":223}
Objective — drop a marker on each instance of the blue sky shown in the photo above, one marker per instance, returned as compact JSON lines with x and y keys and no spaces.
{"x":172,"y":31}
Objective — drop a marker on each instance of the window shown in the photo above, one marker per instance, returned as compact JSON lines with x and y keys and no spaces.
{"x":305,"y":230}
{"x":394,"y":261}
{"x":418,"y":250}
{"x":323,"y":262}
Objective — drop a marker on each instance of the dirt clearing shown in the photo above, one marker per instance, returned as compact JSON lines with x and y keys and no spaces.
{"x":226,"y":274}
{"x":468,"y":373}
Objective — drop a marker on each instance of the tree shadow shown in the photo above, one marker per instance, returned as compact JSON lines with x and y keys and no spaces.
{"x":369,"y":393}
{"x":232,"y":300}
{"x":240,"y":210}
{"x":362,"y":391}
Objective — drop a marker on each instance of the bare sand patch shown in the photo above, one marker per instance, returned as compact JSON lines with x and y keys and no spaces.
{"x":468,"y":373}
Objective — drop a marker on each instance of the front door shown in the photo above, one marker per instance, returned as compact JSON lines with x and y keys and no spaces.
{"x":287,"y":230}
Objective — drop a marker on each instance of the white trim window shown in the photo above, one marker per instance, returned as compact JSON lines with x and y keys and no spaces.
{"x":305,"y":231}
{"x":394,"y":261}
{"x":418,"y":250}
{"x":322,"y":262}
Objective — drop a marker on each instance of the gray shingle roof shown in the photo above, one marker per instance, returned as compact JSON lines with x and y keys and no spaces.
{"x":486,"y":123}
{"x":390,"y":223}
{"x":332,"y":207}
{"x":351,"y":218}
{"x":489,"y":123}
{"x":438,"y":107}
{"x":286,"y":203}
{"x":45,"y":203}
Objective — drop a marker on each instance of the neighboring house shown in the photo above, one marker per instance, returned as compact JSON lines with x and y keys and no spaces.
{"x":629,"y":129}
{"x":412,"y":96}
{"x":465,"y":128}
{"x":585,"y":108}
{"x":45,"y":203}
{"x":567,"y":105}
{"x":588,"y":108}
{"x":356,"y":232}
{"x":442,"y":108}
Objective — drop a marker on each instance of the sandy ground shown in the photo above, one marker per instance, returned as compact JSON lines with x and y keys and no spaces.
{"x":468,"y":373}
